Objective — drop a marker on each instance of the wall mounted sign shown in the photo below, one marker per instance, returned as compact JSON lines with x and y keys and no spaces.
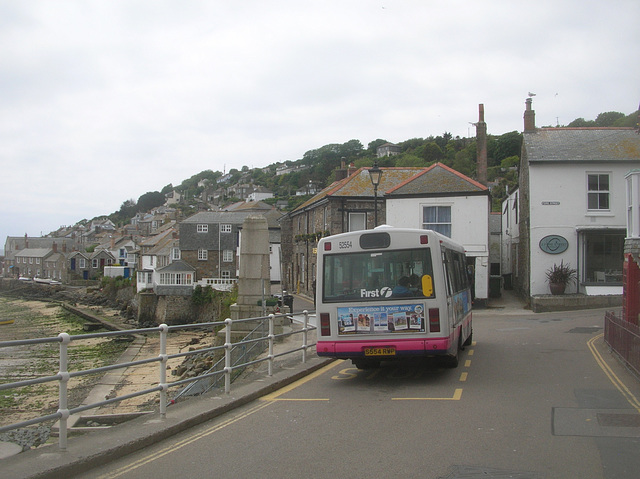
{"x":554,"y":244}
{"x":550,"y":203}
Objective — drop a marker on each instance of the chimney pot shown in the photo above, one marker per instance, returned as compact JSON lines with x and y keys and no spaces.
{"x":529,"y":117}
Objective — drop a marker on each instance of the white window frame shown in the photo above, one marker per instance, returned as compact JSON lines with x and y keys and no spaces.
{"x":203,"y":254}
{"x":225,"y":228}
{"x":599,"y":191}
{"x":94,"y":263}
{"x":175,"y":253}
{"x":202,"y":228}
{"x":225,"y":274}
{"x":227,"y":256}
{"x":438,"y":223}
{"x":357,"y":219}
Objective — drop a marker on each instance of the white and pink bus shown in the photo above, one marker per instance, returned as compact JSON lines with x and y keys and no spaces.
{"x":392,"y":293}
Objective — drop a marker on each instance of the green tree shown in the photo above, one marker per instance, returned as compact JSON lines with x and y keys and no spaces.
{"x":372,"y":147}
{"x":408,"y":160}
{"x":432,"y":152}
{"x":508,"y":144}
{"x":608,"y":118}
{"x":443,"y":140}
{"x":510,"y":161}
{"x":150,"y":200}
{"x":629,"y":121}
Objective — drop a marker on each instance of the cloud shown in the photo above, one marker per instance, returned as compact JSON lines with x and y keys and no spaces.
{"x":104,"y":101}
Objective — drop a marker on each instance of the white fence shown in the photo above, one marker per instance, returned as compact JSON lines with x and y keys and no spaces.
{"x":63,"y":376}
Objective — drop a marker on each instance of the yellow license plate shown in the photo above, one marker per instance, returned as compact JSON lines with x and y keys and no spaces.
{"x":379,"y":351}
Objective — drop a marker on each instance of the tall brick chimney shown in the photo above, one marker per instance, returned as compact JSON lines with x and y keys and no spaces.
{"x":481,"y":146}
{"x":54,"y":247}
{"x":529,"y":117}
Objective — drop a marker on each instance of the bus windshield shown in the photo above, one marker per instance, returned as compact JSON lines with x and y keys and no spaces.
{"x":378,"y":275}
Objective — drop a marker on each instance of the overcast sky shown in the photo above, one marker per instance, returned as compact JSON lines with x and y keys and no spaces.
{"x":102,"y":101}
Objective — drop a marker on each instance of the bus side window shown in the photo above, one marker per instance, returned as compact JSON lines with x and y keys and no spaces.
{"x":427,"y":285}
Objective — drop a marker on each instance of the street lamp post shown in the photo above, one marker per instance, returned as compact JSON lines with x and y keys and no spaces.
{"x":375,"y":174}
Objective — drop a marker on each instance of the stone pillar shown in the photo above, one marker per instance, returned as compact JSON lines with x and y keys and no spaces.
{"x":254,"y":271}
{"x":254,"y":260}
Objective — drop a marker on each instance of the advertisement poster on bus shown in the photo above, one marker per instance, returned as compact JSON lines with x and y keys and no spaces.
{"x":382,"y":318}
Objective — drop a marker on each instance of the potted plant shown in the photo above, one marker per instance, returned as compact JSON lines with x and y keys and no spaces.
{"x":559,"y":275}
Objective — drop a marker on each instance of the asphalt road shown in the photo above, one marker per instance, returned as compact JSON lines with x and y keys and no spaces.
{"x":533,"y":397}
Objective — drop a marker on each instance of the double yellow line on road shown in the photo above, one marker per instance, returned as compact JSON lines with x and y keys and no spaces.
{"x":617,"y":382}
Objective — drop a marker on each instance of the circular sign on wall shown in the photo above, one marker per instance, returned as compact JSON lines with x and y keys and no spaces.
{"x":554,"y":244}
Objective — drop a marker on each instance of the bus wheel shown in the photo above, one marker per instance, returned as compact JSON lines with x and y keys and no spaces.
{"x":453,"y":360}
{"x":469,"y":339}
{"x":366,"y":363}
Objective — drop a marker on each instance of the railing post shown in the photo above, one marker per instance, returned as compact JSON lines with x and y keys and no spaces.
{"x":63,"y":402}
{"x":304,"y":336}
{"x":227,"y":356}
{"x":164,"y":330}
{"x":271,"y":336}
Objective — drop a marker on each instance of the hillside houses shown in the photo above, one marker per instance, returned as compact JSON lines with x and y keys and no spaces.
{"x":571,"y":193}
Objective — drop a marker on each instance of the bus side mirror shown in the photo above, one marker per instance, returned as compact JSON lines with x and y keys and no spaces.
{"x":427,"y":285}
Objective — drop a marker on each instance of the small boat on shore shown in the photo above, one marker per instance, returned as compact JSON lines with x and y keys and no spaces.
{"x":6,"y":321}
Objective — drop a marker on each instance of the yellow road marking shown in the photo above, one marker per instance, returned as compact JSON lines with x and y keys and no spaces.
{"x":185,"y":442}
{"x":276,"y":394}
{"x":467,"y":363}
{"x":266,"y":402}
{"x":470,"y":353}
{"x":457,"y":395}
{"x":617,"y":382}
{"x":463,"y":376}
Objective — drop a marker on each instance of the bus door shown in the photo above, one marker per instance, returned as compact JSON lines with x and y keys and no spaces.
{"x":449,"y":290}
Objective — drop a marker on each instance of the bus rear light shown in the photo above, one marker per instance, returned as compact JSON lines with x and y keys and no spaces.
{"x":327,"y":246}
{"x":424,"y":239}
{"x":434,"y":320}
{"x":325,"y":326}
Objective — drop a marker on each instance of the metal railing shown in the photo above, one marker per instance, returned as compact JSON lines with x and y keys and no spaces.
{"x":623,"y":338}
{"x":63,"y":376}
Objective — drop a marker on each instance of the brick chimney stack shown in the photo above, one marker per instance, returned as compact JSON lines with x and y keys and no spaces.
{"x":529,"y":117}
{"x":481,"y":146}
{"x":54,"y":247}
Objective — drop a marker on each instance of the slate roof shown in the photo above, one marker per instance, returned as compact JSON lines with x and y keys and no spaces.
{"x":359,"y":184}
{"x":177,"y":266}
{"x":33,"y":252}
{"x":438,"y":179}
{"x":582,"y":144}
{"x":233,"y":217}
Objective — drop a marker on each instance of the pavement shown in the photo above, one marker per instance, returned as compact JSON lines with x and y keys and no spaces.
{"x":95,"y":448}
